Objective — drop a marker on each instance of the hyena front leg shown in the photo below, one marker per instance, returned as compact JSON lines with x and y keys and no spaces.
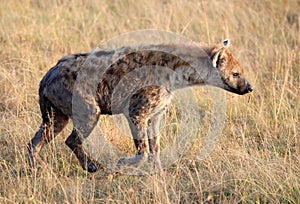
{"x":144,"y":105}
{"x":138,"y":129}
{"x":153,"y":132}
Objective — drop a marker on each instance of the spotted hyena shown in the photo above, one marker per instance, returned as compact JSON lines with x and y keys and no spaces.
{"x":136,"y":81}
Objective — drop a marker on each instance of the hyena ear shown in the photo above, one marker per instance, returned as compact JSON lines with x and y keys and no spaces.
{"x":219,"y":53}
{"x":226,"y":43}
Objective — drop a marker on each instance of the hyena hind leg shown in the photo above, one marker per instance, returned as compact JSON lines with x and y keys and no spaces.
{"x":54,"y":121}
{"x":75,"y":142}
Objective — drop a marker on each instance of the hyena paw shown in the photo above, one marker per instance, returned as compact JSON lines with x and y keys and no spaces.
{"x":155,"y":160}
{"x":91,"y":166}
{"x":135,"y":160}
{"x":151,"y":158}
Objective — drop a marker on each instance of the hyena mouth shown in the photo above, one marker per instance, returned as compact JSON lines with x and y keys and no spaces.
{"x":240,"y":90}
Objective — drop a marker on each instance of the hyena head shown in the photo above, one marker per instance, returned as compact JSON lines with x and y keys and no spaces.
{"x":230,"y":71}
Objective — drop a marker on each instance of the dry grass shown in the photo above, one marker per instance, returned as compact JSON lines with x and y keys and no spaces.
{"x":258,"y":157}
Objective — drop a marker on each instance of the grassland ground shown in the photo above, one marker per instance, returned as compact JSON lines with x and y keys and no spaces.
{"x":258,"y":157}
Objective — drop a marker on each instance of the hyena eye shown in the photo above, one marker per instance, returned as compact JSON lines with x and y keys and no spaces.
{"x":235,"y":75}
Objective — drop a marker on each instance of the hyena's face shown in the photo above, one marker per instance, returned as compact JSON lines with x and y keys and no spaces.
{"x":230,"y":71}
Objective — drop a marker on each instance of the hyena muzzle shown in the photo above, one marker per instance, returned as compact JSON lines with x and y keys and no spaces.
{"x":83,"y":86}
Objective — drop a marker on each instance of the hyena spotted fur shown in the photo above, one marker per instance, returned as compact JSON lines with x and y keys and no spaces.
{"x":136,"y":81}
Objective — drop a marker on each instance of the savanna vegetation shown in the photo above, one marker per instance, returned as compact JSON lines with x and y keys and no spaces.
{"x":257,"y":159}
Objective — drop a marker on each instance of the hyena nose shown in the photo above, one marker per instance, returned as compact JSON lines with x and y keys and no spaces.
{"x":249,"y":88}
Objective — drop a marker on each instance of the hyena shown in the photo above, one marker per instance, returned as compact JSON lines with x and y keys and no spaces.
{"x":133,"y":81}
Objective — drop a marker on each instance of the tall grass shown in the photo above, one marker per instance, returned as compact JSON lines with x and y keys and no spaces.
{"x":258,"y":157}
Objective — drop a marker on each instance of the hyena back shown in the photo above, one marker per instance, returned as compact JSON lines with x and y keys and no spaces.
{"x":136,"y":81}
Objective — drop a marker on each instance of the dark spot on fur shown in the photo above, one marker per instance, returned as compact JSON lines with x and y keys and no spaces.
{"x":104,"y":53}
{"x":74,"y":75}
{"x":82,"y":54}
{"x":120,"y":61}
